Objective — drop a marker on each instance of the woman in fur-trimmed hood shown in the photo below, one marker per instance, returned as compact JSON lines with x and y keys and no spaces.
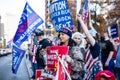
{"x":75,"y":56}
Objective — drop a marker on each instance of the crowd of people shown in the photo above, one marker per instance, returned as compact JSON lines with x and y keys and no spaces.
{"x":90,"y":57}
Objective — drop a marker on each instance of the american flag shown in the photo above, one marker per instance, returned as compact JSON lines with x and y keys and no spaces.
{"x":92,"y":66}
{"x":85,"y":13}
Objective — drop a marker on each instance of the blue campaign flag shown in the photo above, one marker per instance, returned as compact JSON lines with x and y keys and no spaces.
{"x":114,"y":31}
{"x":29,"y":22}
{"x":17,"y":55}
{"x":60,"y":15}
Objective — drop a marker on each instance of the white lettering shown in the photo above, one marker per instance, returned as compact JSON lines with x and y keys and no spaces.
{"x":65,"y":11}
{"x":113,"y":30}
{"x":113,"y":33}
{"x":29,"y":30}
{"x":67,"y":24}
{"x":57,"y":6}
{"x":29,"y":10}
{"x":51,"y":57}
{"x":66,"y":18}
{"x":50,"y":62}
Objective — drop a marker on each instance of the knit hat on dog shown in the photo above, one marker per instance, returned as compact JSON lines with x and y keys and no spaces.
{"x":66,"y":31}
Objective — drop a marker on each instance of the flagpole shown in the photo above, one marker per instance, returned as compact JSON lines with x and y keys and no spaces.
{"x":89,"y":12}
{"x":69,"y":78}
{"x":78,"y":11}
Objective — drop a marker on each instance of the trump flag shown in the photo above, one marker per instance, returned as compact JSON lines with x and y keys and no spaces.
{"x":29,"y":22}
{"x":17,"y":58}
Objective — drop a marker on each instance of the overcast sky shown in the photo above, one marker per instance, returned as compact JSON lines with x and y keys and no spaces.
{"x":11,"y":11}
{"x":16,"y":6}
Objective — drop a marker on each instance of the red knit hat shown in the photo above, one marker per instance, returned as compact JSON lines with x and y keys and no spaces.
{"x":105,"y":73}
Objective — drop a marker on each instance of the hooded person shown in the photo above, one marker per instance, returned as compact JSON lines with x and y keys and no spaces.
{"x":79,"y":39}
{"x":74,"y":57}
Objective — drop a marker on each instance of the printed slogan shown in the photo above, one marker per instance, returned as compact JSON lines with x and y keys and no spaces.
{"x":60,"y":15}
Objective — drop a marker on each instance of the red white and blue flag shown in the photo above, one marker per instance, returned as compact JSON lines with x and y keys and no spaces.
{"x":85,"y":13}
{"x":29,"y":22}
{"x":92,"y":66}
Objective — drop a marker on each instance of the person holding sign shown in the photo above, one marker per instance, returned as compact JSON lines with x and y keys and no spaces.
{"x":74,"y":57}
{"x":41,"y":49}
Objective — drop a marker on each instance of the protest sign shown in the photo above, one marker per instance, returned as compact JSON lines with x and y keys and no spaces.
{"x":54,"y":70}
{"x":60,"y":15}
{"x":114,"y":31}
{"x":43,"y":75}
{"x":53,"y":63}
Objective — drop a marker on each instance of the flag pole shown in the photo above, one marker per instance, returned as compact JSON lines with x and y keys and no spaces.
{"x":89,"y":12}
{"x":59,"y":59}
{"x":78,"y":11}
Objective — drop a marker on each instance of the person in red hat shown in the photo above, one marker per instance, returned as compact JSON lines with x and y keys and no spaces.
{"x":105,"y":75}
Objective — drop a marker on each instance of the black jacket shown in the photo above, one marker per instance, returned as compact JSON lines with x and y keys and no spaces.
{"x":39,"y":57}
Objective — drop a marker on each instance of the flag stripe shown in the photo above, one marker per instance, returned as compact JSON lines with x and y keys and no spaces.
{"x":89,"y":64}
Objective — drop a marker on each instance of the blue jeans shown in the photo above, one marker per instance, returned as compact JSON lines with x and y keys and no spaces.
{"x":110,"y":67}
{"x":35,"y":67}
{"x":117,"y":73}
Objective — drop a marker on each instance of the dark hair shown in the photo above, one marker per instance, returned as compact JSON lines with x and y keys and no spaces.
{"x":102,"y":39}
{"x":39,"y":32}
{"x":71,"y":43}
